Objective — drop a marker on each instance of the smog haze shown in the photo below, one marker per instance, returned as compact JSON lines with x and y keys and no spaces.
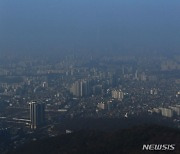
{"x":115,"y":26}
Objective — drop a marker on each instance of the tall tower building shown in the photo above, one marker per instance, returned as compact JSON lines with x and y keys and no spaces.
{"x":136,"y":75}
{"x":85,"y":90}
{"x":75,"y":89}
{"x":37,"y":114}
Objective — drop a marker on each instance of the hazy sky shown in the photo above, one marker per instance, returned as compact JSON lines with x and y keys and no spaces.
{"x":127,"y":25}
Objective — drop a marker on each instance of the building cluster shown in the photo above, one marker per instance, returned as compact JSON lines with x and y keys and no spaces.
{"x":80,"y":88}
{"x":169,"y":111}
{"x":117,"y":94}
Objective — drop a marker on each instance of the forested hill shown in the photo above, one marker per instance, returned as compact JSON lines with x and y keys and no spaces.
{"x":126,"y":141}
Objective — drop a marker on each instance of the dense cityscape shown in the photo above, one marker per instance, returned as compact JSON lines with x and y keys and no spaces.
{"x":39,"y":96}
{"x":89,"y":77}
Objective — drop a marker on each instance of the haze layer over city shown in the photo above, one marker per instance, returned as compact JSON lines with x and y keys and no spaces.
{"x":104,"y":66}
{"x":51,"y":26}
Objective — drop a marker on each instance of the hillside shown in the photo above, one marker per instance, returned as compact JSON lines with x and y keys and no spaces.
{"x":126,"y":141}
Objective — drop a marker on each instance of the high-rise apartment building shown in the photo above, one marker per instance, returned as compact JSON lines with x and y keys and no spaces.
{"x":80,"y":88}
{"x":117,"y":94}
{"x":37,"y":114}
{"x":166,"y":112}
